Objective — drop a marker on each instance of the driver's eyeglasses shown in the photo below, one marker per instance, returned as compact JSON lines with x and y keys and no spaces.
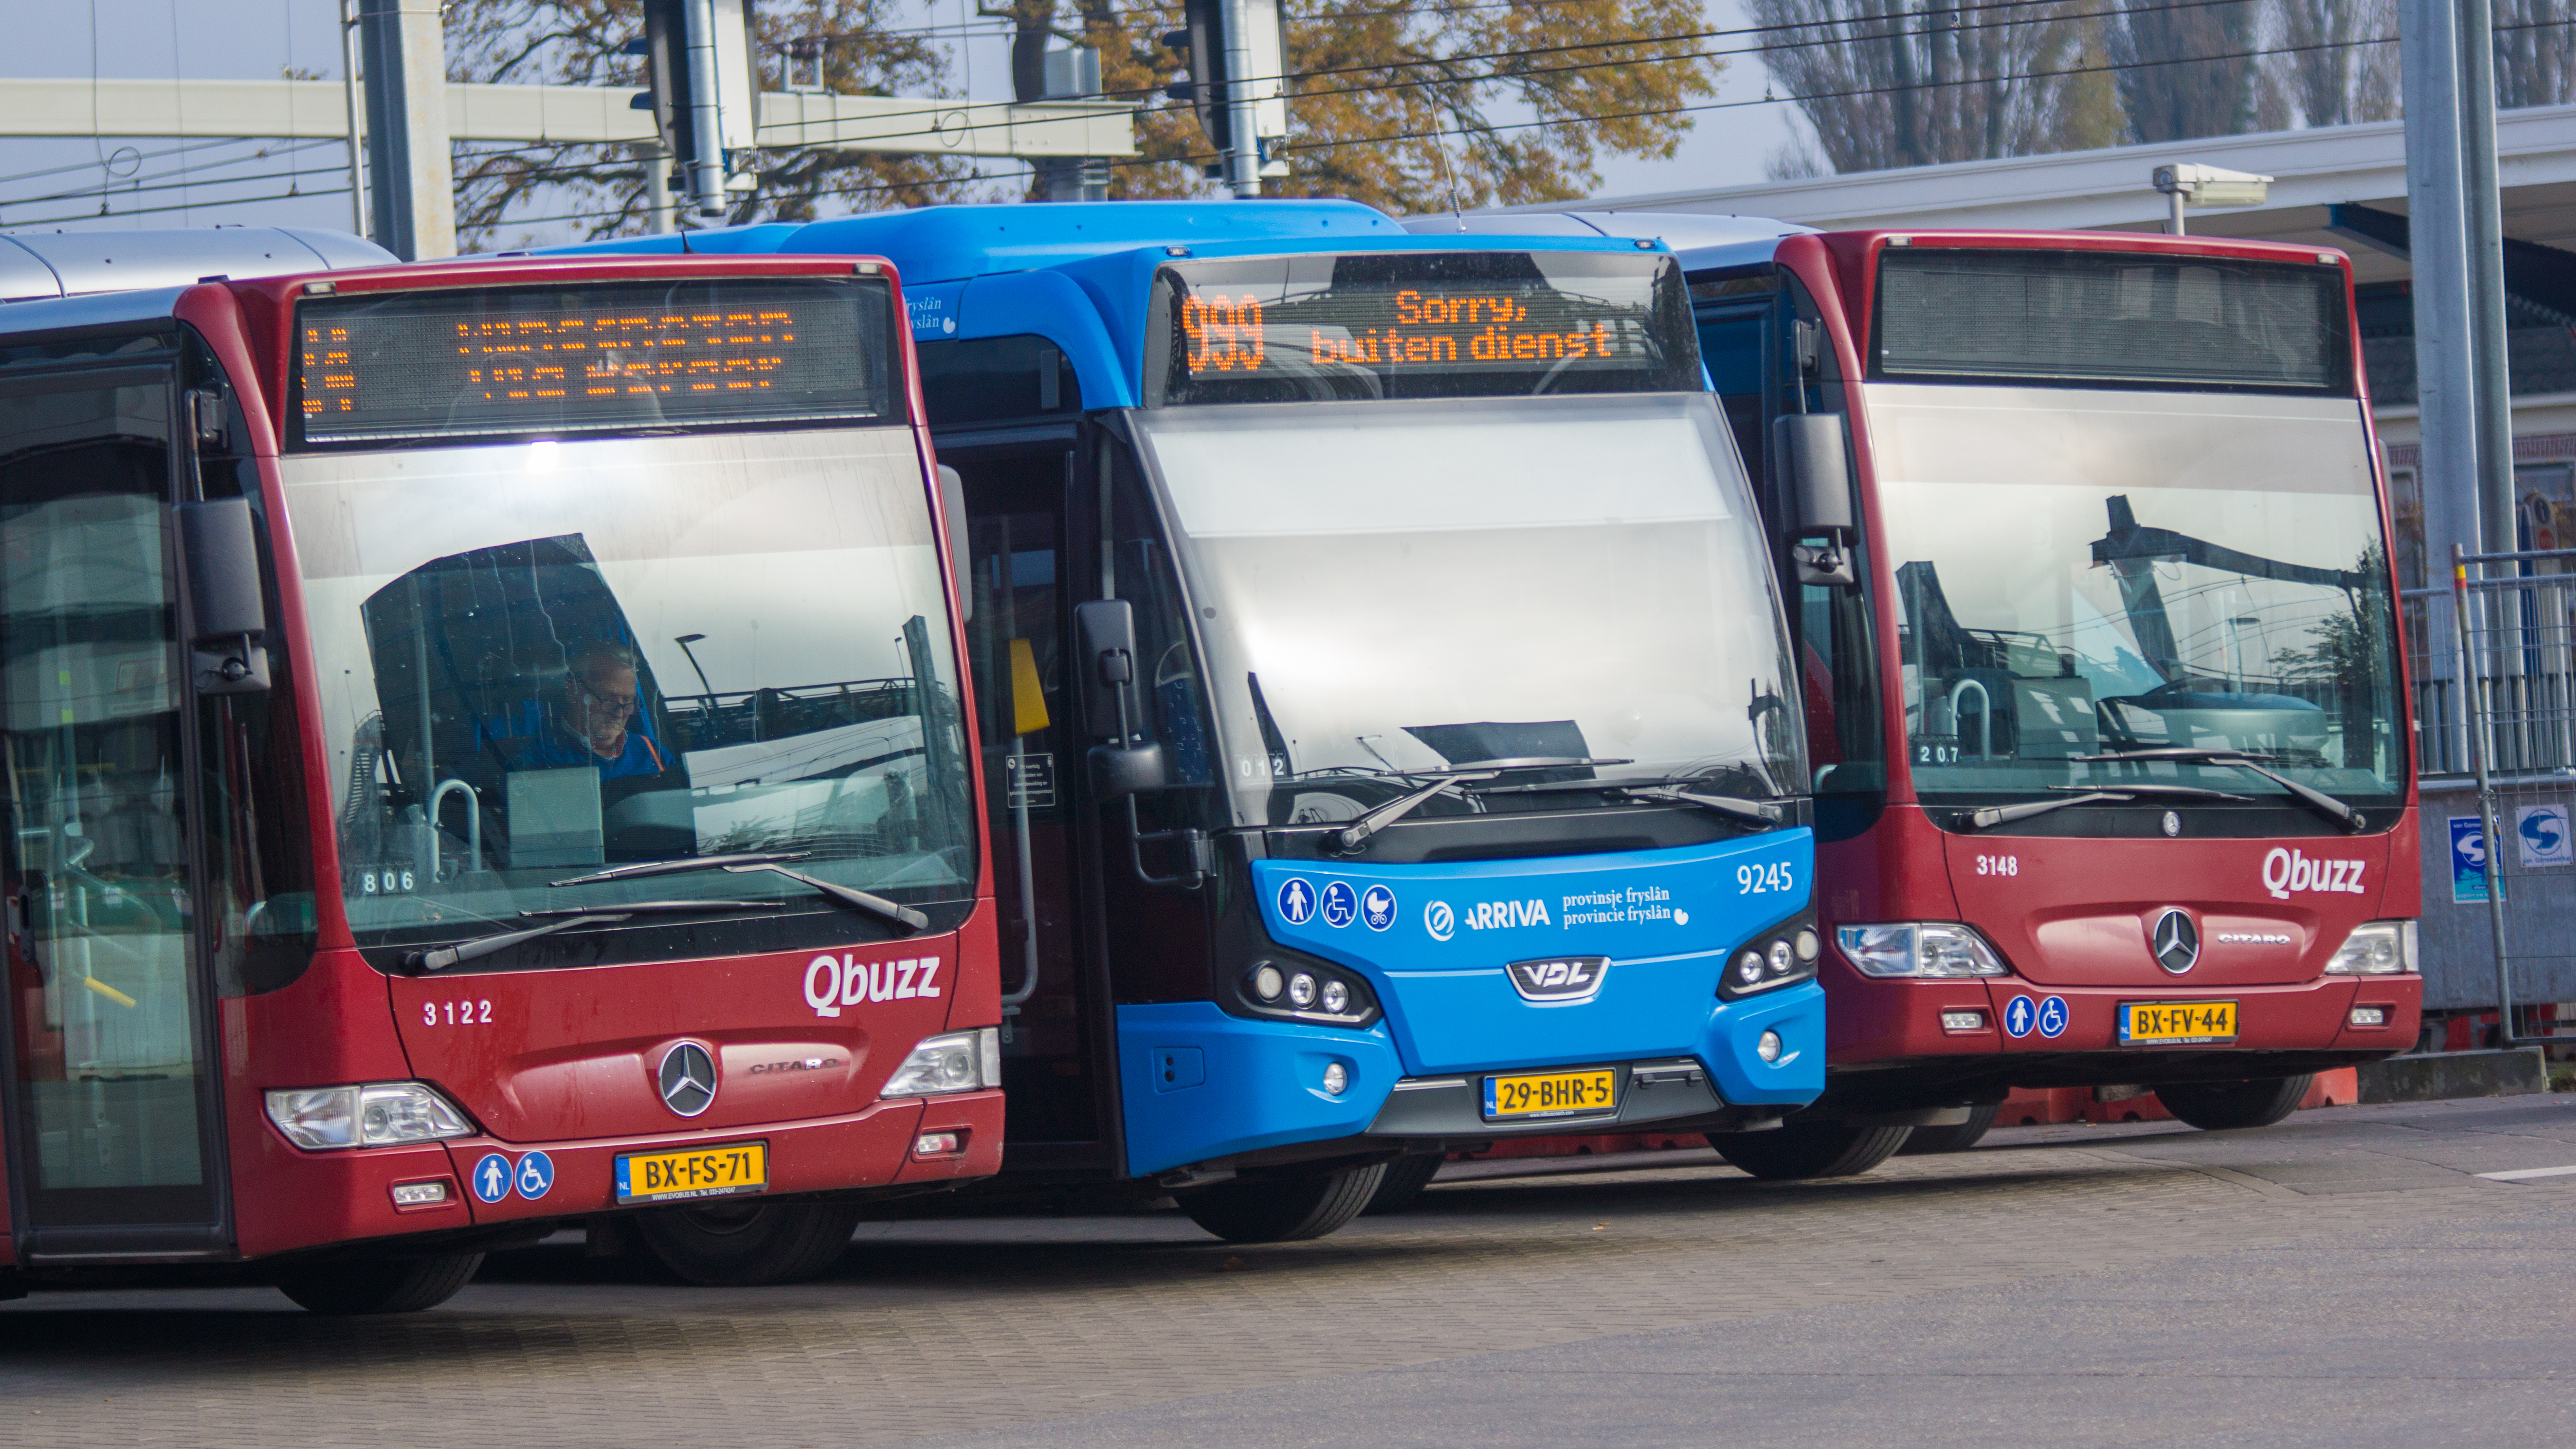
{"x":621,"y":703}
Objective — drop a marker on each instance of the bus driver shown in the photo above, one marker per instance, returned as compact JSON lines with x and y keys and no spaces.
{"x":589,"y":725}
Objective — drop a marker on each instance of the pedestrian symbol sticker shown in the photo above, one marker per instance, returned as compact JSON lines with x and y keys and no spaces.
{"x":492,"y":1178}
{"x":536,"y":1174}
{"x":1296,"y":901}
{"x":2020,"y":1014}
{"x":2053,"y":1017}
{"x":1377,"y":907}
{"x":1340,"y":904}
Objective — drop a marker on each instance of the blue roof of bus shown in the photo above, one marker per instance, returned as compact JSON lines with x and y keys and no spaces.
{"x":953,"y":243}
{"x":1077,"y":273}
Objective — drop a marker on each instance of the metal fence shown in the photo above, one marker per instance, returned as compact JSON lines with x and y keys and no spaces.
{"x":2494,"y":661}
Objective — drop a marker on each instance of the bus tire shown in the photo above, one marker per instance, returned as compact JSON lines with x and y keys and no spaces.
{"x":379,"y":1285}
{"x":1802,"y":1150}
{"x":1284,"y":1209}
{"x":2223,"y":1106}
{"x":1927,"y":1140}
{"x":1405,"y":1179}
{"x":748,"y":1245}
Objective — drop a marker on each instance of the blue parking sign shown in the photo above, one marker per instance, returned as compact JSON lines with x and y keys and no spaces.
{"x":2468,"y":860}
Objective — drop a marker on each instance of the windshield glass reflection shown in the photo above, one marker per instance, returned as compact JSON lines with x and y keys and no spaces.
{"x":542,"y":661}
{"x":1391,"y":588}
{"x":2087,"y":573}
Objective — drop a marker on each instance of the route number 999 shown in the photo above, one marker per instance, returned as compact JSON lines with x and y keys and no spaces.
{"x":1763,"y":880}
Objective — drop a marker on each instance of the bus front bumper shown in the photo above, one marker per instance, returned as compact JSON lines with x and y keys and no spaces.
{"x":1202,"y":1085}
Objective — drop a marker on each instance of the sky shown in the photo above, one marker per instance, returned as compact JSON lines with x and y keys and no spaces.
{"x":47,"y":184}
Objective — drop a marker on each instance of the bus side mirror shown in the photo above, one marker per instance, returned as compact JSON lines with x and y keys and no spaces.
{"x":219,"y":553}
{"x":1126,"y":764}
{"x":1818,"y":471}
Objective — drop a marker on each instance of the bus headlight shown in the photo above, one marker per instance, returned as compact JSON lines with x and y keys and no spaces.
{"x":2376,"y":948}
{"x":378,"y":1114}
{"x":960,"y":1061}
{"x":1783,"y":954}
{"x":1920,"y":948}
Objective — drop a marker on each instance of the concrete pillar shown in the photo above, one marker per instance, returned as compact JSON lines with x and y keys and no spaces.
{"x":412,"y":178}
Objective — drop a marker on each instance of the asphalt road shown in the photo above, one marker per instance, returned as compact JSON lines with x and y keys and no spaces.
{"x":2345,"y":1278}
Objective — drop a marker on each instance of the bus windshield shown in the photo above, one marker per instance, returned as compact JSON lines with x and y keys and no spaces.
{"x":1386,"y":588}
{"x":543,"y":661}
{"x":2086,"y":573}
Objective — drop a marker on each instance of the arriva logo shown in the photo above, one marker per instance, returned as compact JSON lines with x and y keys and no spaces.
{"x":2285,"y":871}
{"x":1501,"y":915}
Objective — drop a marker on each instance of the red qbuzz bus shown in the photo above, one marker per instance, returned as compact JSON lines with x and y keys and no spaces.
{"x":485,"y":753}
{"x":2087,"y":542}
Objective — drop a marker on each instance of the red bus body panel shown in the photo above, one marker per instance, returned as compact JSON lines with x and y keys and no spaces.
{"x":564,"y":1061}
{"x":2073,"y":922}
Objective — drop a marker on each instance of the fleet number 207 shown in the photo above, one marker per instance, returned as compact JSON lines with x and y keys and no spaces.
{"x":1763,"y":880}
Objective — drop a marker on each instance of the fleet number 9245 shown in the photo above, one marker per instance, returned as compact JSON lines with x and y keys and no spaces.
{"x":1763,"y":880}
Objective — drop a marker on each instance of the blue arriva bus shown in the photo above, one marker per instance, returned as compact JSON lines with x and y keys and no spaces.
{"x":1392,"y":736}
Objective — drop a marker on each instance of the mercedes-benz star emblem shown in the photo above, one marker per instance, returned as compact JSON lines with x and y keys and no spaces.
{"x":2175,"y":940}
{"x":2173,"y":823}
{"x":687,"y":1079}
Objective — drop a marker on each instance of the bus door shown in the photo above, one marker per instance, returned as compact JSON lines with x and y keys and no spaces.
{"x":114,"y":1137}
{"x":1024,"y":538}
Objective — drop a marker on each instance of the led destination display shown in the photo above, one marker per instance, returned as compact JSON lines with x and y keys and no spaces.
{"x":547,"y":360}
{"x":1418,"y":325}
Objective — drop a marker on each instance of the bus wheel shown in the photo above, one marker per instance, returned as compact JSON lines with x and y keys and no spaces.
{"x":1284,"y":1209}
{"x":1405,"y":1179}
{"x":745,"y":1245}
{"x":1952,"y":1139}
{"x":379,"y":1285}
{"x":1809,"y":1149}
{"x":2218,"y":1106}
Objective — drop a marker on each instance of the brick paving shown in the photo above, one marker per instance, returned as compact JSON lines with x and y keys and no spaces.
{"x":934,"y":1328}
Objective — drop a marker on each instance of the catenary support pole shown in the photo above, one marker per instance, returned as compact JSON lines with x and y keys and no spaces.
{"x":411,"y":176}
{"x":357,"y":119}
{"x":1243,"y":156}
{"x":2482,"y":209}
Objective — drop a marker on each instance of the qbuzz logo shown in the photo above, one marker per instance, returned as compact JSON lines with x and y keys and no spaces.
{"x":1439,"y":920}
{"x":2286,"y":871}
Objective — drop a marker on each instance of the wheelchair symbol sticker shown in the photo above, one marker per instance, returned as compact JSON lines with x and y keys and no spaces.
{"x":536,"y":1175}
{"x":1340,"y":904}
{"x":2053,"y":1017}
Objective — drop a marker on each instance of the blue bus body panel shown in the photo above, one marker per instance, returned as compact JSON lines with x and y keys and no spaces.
{"x":1198,"y":1083}
{"x":1666,"y":919}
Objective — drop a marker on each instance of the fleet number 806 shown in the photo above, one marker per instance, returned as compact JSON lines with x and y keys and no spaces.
{"x":1763,"y":880}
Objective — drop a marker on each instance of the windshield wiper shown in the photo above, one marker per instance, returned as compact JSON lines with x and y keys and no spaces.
{"x":1466,"y":772}
{"x":565,"y":920}
{"x":757,"y":860}
{"x":688,"y":863}
{"x":1995,"y":815}
{"x":1750,"y":811}
{"x":2313,"y":798}
{"x":1354,"y":835}
{"x":1671,"y":788}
